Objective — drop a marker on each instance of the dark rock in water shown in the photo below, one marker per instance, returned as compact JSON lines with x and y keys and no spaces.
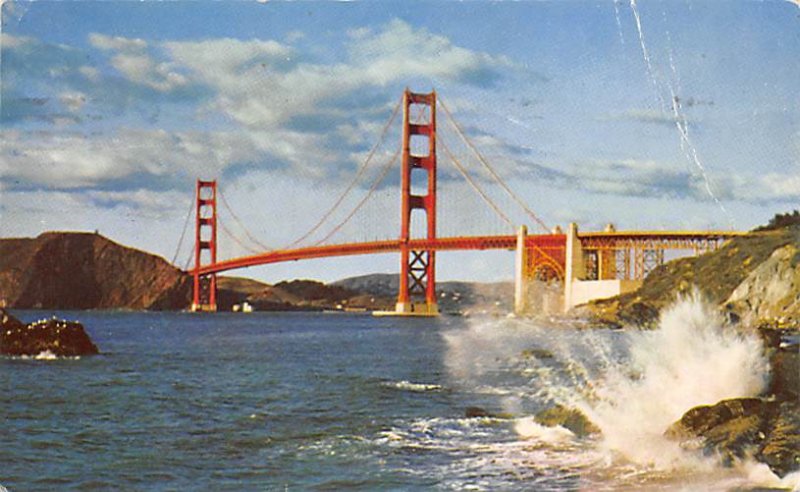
{"x":477,"y":412}
{"x":537,"y":353}
{"x":474,"y":412}
{"x":785,"y":376}
{"x":738,"y":427}
{"x":569,"y":418}
{"x":703,"y":419}
{"x":771,"y":338}
{"x":781,"y":449}
{"x":59,"y":337}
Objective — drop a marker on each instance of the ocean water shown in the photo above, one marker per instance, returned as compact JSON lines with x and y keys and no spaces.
{"x":315,"y":401}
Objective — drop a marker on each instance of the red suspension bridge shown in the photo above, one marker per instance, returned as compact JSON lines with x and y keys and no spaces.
{"x":587,"y":265}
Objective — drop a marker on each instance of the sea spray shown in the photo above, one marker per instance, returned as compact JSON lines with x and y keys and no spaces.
{"x":692,"y":359}
{"x":527,"y":427}
{"x":633,"y":384}
{"x":514,"y":358}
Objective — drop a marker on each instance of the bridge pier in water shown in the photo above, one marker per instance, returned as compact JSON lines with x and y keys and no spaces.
{"x":204,"y":291}
{"x":417,"y":292}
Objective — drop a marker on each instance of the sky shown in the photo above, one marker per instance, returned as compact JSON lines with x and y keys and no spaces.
{"x":678,"y":114}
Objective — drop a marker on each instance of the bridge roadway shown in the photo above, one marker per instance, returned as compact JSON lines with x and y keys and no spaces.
{"x":458,"y":243}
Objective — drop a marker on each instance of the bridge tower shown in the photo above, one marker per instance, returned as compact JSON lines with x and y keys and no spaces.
{"x":204,"y":296}
{"x":417,"y":295}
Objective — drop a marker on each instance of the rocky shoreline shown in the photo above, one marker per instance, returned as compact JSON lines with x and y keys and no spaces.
{"x":765,"y":427}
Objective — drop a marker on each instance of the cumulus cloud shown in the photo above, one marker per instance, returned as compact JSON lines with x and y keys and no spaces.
{"x":399,"y":51}
{"x":652,"y":179}
{"x":74,"y":160}
{"x":132,"y":59}
{"x":153,"y":157}
{"x":307,"y":118}
{"x":91,"y":73}
{"x":142,"y":69}
{"x":117,"y":43}
{"x":264,"y":83}
{"x":9,"y":41}
{"x":158,"y":203}
{"x":641,"y":178}
{"x":33,"y":65}
{"x":73,"y":101}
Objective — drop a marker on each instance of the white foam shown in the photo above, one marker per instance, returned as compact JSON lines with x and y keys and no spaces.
{"x":792,"y":481}
{"x":692,"y":359}
{"x":528,"y":428}
{"x":45,"y":355}
{"x":410,"y":386}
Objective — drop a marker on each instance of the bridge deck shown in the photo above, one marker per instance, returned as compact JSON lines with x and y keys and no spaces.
{"x":459,"y":243}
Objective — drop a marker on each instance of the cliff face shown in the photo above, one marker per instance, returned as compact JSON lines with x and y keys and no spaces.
{"x":756,"y":275}
{"x":68,"y":270}
{"x":772,"y":290}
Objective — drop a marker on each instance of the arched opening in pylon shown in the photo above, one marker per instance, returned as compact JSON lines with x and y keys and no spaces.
{"x":547,"y":271}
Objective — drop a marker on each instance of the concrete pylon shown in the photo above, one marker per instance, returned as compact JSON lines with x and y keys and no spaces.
{"x":607,"y":259}
{"x":575,"y":268}
{"x":521,"y":274}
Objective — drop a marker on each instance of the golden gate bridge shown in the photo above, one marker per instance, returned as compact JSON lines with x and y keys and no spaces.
{"x":586,"y":265}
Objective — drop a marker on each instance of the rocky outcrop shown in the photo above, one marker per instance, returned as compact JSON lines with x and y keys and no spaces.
{"x":732,"y":429}
{"x":781,"y":448}
{"x":70,"y":270}
{"x":785,"y":381}
{"x":477,"y":412}
{"x":770,"y":291}
{"x":56,"y":337}
{"x":767,"y":428}
{"x":569,"y":418}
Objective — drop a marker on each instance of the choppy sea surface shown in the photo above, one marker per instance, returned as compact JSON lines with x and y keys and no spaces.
{"x":263,"y":401}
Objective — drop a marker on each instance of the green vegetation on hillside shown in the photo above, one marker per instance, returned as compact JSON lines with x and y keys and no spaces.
{"x":781,"y":221}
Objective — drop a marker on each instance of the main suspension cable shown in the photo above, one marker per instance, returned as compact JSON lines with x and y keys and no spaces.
{"x":493,"y":173}
{"x":353,"y":183}
{"x":189,"y":259}
{"x":241,"y":224}
{"x":454,"y":160}
{"x":236,"y":239}
{"x":183,"y":232}
{"x":372,"y":189}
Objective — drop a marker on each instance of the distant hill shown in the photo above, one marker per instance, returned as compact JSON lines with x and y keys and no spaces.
{"x":452,"y":295}
{"x":292,"y":296}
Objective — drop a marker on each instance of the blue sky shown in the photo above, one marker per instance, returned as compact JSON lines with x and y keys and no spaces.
{"x":111,"y":110}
